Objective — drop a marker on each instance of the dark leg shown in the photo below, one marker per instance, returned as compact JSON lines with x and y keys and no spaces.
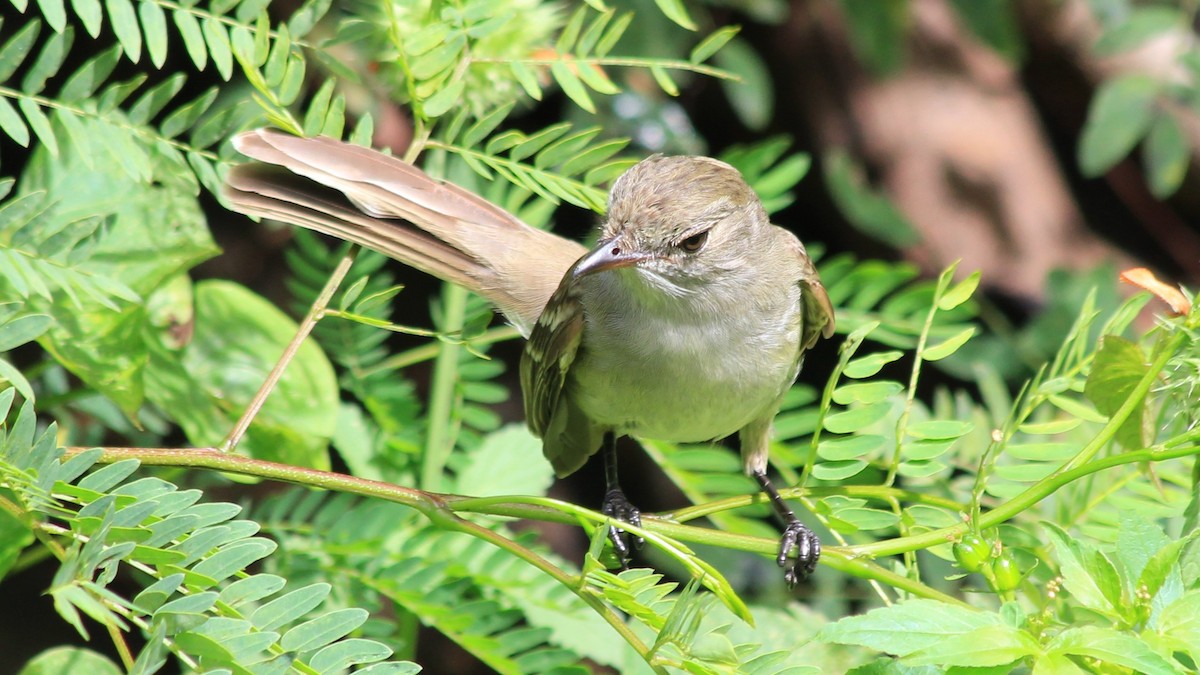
{"x":616,"y":505}
{"x":795,"y":536}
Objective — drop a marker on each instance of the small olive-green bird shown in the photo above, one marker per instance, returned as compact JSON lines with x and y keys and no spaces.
{"x":687,"y":322}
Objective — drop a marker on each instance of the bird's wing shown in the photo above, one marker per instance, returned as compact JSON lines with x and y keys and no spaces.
{"x":816,"y":309}
{"x":548,"y":354}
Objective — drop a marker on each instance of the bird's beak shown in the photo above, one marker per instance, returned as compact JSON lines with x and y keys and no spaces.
{"x":607,"y":255}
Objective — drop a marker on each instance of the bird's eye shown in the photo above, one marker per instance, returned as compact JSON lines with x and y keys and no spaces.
{"x":695,"y":242}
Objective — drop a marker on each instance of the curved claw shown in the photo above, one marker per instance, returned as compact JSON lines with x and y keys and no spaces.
{"x":796,"y":536}
{"x":617,"y":506}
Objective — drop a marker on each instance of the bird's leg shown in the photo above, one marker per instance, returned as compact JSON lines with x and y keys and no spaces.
{"x":795,"y":536}
{"x":616,"y":505}
{"x":755,"y":438}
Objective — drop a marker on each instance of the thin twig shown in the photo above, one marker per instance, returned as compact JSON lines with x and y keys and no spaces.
{"x":315,"y":313}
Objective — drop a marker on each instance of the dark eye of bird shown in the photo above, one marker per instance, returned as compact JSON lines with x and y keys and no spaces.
{"x":694,"y":243}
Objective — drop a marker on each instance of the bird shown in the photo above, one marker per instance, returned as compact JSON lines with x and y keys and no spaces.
{"x":687,"y":321}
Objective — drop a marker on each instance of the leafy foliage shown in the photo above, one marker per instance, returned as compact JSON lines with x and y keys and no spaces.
{"x":199,"y":604}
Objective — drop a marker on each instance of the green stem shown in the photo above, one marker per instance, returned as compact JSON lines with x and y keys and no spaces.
{"x":444,"y":391}
{"x":435,"y":507}
{"x":441,"y":509}
{"x":431,"y":349}
{"x":622,"y":61}
{"x":1079,"y":465}
{"x":876,"y":492}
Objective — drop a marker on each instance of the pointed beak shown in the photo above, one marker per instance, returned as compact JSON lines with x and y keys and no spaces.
{"x":607,"y":255}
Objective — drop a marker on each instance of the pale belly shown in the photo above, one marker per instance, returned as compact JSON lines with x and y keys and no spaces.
{"x":685,"y":383}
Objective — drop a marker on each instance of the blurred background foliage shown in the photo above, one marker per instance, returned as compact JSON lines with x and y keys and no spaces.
{"x":1030,"y":148}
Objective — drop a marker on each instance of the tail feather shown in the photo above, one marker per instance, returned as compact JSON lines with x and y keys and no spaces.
{"x":381,"y":202}
{"x":275,"y":193}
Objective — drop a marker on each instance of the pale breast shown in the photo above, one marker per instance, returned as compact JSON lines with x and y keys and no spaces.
{"x":691,"y":374}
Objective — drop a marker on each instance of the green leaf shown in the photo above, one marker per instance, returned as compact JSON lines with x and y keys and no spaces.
{"x":926,"y":449}
{"x":1051,"y":427}
{"x":1119,"y":116}
{"x":48,"y":62}
{"x":866,"y":392}
{"x":838,"y":470}
{"x":58,"y":660}
{"x":238,"y":338}
{"x":324,"y":629}
{"x":39,"y":123}
{"x":713,"y":43}
{"x":84,"y":82}
{"x":595,"y":30}
{"x":486,"y":125}
{"x":1109,"y":646}
{"x":1041,"y":452}
{"x":346,"y":653}
{"x":1116,"y":370}
{"x":425,"y":39}
{"x":1087,"y":573}
{"x":305,"y":19}
{"x":663,"y":78}
{"x":151,"y":102}
{"x":91,"y":14}
{"x":1180,"y":621}
{"x":849,"y":447}
{"x":289,"y":607}
{"x":570,"y":32}
{"x":154,"y":25}
{"x":752,"y":95}
{"x":23,"y":329}
{"x":908,"y":627}
{"x":675,"y":11}
{"x":234,"y":558}
{"x":15,"y":535}
{"x":55,"y":13}
{"x":318,"y":107}
{"x":572,"y":86}
{"x":527,"y":79}
{"x":16,"y":378}
{"x":1165,"y":155}
{"x":1078,"y":409}
{"x":936,"y":429}
{"x":860,"y":519}
{"x":438,"y":60}
{"x":960,"y":292}
{"x":870,"y":212}
{"x":12,"y":124}
{"x":948,"y":346}
{"x":251,"y":589}
{"x":18,"y":47}
{"x":219,"y":49}
{"x":854,"y":419}
{"x":983,"y":647}
{"x":187,"y":115}
{"x":193,"y":37}
{"x":440,"y":103}
{"x":500,"y":465}
{"x":124,"y":23}
{"x":613,"y":35}
{"x":867,"y":366}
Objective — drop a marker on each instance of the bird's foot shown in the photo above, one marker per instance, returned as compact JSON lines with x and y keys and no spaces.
{"x":617,"y":506}
{"x":796,"y":536}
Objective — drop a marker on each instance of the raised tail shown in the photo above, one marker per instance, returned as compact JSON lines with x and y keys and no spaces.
{"x":388,"y":205}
